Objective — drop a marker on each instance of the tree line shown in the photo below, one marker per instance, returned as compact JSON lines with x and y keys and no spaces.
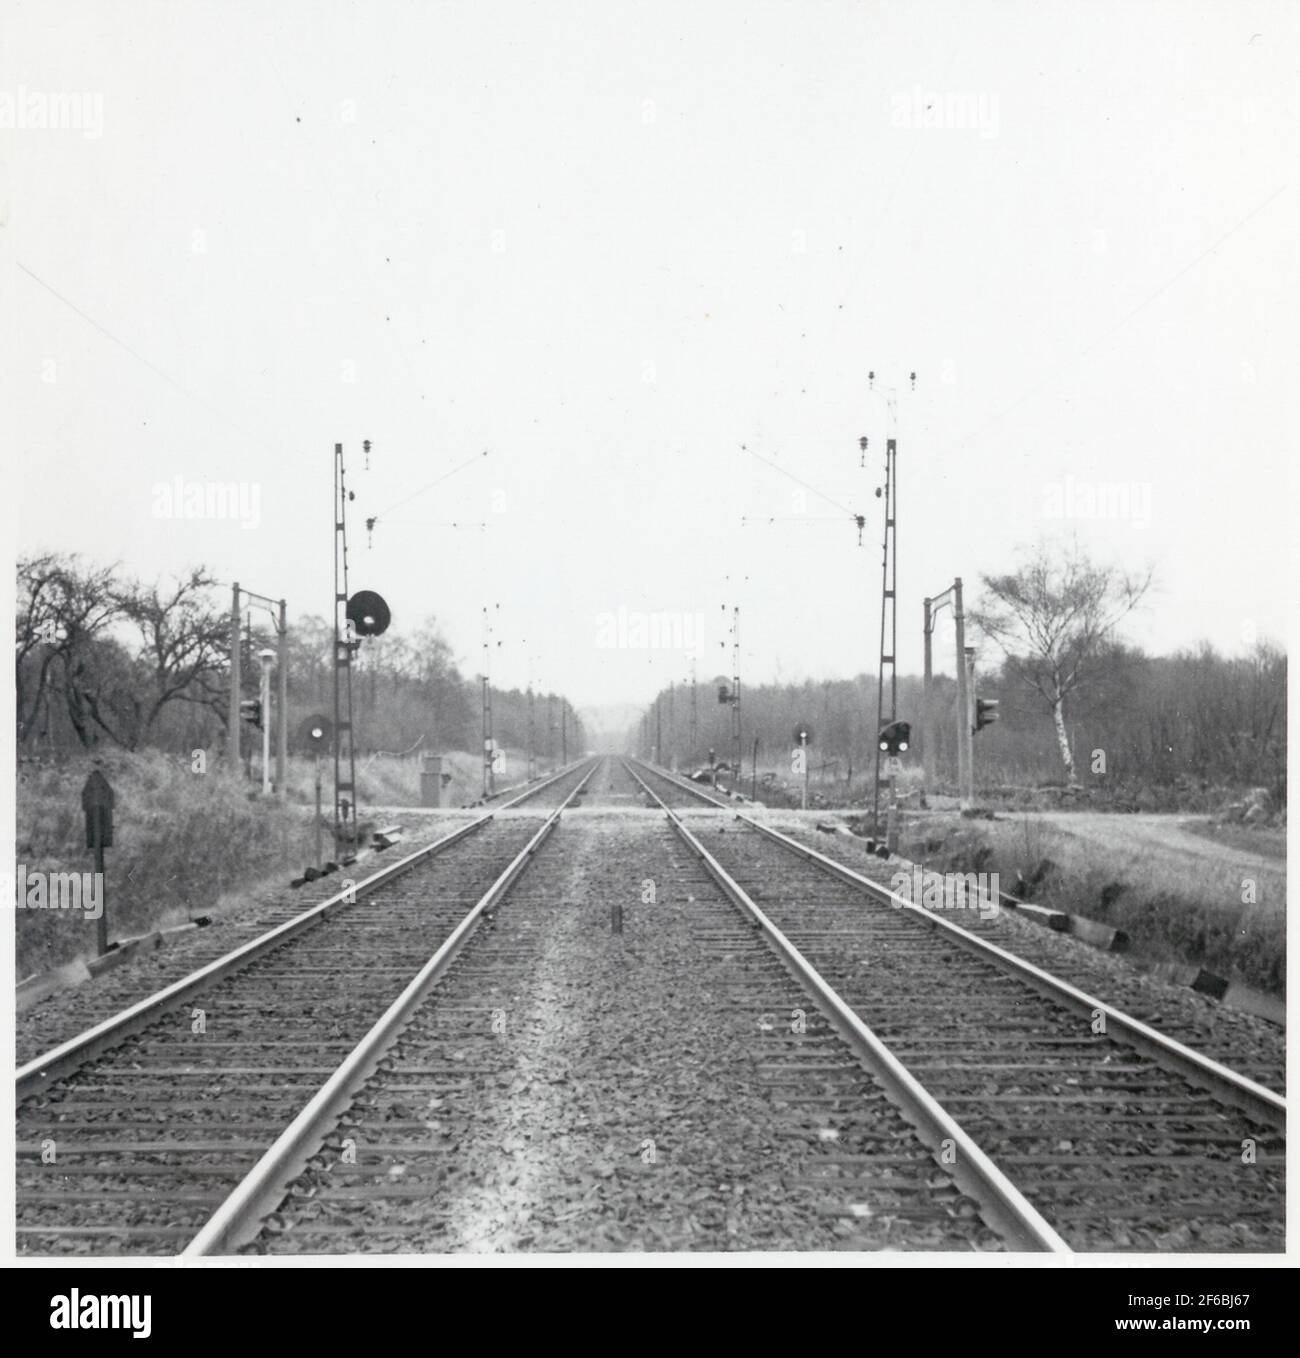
{"x":1195,"y":718}
{"x":101,"y":658}
{"x":1075,"y":702}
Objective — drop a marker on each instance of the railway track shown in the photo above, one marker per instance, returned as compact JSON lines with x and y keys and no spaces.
{"x":1231,"y":1040}
{"x":828,"y":1158}
{"x":502,"y":1118}
{"x":447,"y":1064}
{"x":1117,"y":1134}
{"x":131,"y":1134}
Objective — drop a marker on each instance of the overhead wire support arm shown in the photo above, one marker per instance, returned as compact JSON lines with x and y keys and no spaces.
{"x":858,"y":520}
{"x":374,"y":519}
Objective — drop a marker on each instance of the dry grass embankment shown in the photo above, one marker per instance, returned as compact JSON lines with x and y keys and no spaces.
{"x":1176,"y":903}
{"x":180,"y":841}
{"x":394,"y":780}
{"x":183,"y":840}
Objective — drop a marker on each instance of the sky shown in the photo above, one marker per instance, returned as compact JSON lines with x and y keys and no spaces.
{"x":613,"y":276}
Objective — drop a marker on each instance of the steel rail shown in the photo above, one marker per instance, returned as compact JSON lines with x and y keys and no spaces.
{"x":239,"y":1218}
{"x":531,"y":790}
{"x":1227,"y":1085}
{"x":39,"y":1073}
{"x":549,"y":781}
{"x":682,"y":784}
{"x":1003,"y":1207}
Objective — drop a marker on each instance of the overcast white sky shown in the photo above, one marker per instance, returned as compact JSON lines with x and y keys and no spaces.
{"x":612,"y":243}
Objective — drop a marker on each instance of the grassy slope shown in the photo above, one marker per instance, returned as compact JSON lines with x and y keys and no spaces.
{"x":1173,"y":905}
{"x":181,"y":840}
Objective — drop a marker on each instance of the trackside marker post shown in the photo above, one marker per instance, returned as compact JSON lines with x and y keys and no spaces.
{"x":97,"y":799}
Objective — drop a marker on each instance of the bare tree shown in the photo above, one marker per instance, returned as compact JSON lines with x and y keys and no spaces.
{"x":1266,"y":722}
{"x":35,"y":634}
{"x":1053,"y":620}
{"x":62,"y":611}
{"x":185,"y":647}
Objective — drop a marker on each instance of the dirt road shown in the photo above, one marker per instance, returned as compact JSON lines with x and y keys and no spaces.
{"x":1160,"y":834}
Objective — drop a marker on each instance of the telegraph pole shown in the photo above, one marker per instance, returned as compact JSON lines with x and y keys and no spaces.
{"x":929,"y":734}
{"x":236,"y":647}
{"x":888,"y":624}
{"x":489,"y":760}
{"x":531,"y":695}
{"x":735,"y":691}
{"x":965,"y":750}
{"x":532,"y":736}
{"x":888,"y":609}
{"x":248,"y":641}
{"x":927,"y":726}
{"x":672,"y":726}
{"x":282,"y":730}
{"x":968,"y":723}
{"x":695,"y":714}
{"x":345,"y":760}
{"x":266,"y":656}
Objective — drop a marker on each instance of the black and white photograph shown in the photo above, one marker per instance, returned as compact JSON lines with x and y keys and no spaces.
{"x":649,"y":634}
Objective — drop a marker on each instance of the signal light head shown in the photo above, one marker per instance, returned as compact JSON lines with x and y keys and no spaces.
{"x":986,"y":713}
{"x":314,"y":732}
{"x":895,"y":737}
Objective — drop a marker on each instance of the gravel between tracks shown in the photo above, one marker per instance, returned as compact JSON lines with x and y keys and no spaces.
{"x":628,"y":1102}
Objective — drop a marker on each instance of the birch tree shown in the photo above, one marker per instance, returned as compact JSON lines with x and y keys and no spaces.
{"x":1054,"y":619}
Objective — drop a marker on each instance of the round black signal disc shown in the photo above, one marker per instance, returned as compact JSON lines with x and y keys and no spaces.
{"x":368,"y":614}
